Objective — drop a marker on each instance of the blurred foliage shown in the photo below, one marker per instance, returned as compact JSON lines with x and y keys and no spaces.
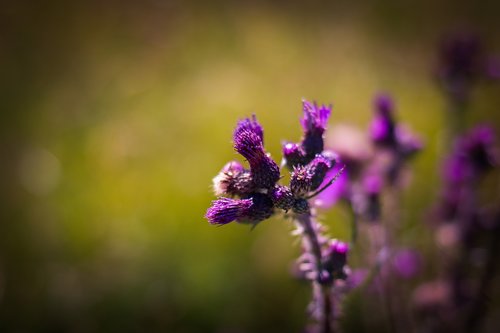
{"x":116,"y":115}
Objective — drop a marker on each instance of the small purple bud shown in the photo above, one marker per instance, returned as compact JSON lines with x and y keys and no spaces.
{"x":300,"y":182}
{"x":314,"y":124}
{"x":293,"y":155}
{"x":308,"y":178}
{"x":225,"y":210}
{"x":336,"y":259}
{"x":233,"y":180}
{"x":318,"y":169}
{"x":282,"y":197}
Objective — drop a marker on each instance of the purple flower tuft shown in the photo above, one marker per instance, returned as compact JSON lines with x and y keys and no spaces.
{"x":300,"y":183}
{"x":251,"y":125}
{"x":314,"y":124}
{"x":225,"y":210}
{"x":318,"y":169}
{"x":248,"y":142}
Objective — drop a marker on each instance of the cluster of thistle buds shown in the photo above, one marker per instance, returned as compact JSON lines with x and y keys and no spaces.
{"x":252,"y":195}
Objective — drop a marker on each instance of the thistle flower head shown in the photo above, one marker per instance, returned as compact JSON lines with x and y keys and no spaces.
{"x":247,"y":139}
{"x":308,"y":178}
{"x":314,"y":124}
{"x":233,"y":180}
{"x":300,"y":182}
{"x":225,"y":210}
{"x":318,"y":168}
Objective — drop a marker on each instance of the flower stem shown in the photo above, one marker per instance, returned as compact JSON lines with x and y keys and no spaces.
{"x":312,"y":244}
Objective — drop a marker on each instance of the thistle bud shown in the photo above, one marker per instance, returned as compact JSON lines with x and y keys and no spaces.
{"x":335,"y":259}
{"x":233,"y":180}
{"x":225,"y":210}
{"x":282,"y":197}
{"x":314,"y":124}
{"x":293,"y":155}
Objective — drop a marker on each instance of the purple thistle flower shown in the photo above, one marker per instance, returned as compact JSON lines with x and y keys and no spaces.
{"x":314,"y":124}
{"x":225,"y":210}
{"x":382,"y":128}
{"x":233,"y":180}
{"x":248,"y":142}
{"x":318,"y":168}
{"x":254,"y":209}
{"x":308,"y":178}
{"x":301,"y":181}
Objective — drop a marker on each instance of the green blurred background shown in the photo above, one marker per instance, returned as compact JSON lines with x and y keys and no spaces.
{"x":115,"y":116}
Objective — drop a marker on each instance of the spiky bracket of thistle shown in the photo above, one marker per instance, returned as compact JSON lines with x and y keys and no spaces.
{"x":253,"y":195}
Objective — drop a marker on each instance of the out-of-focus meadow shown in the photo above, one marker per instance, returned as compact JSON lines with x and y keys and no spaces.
{"x":116,"y":116}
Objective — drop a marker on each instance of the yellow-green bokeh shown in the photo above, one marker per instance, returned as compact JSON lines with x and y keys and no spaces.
{"x":118,"y":115}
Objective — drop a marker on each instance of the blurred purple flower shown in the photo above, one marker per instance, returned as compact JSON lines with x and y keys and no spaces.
{"x":338,"y":190}
{"x":382,"y":128}
{"x":407,"y":263}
